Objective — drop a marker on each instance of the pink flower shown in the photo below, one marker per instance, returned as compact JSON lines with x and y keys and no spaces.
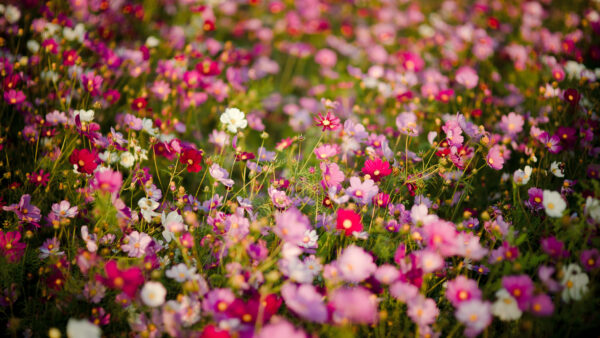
{"x":161,"y":90}
{"x":332,"y":175}
{"x":422,"y":311}
{"x":362,"y":192}
{"x":326,"y":150}
{"x":291,"y":225}
{"x":355,"y":264}
{"x":137,"y":243}
{"x":377,"y":169}
{"x":354,"y":305}
{"x":462,"y":289}
{"x":128,"y":280}
{"x":407,"y":124}
{"x":10,"y":247}
{"x":476,"y":315}
{"x":279,"y":328}
{"x":14,"y":96}
{"x":328,"y":122}
{"x":108,"y":180}
{"x":467,"y":77}
{"x":552,"y":143}
{"x":512,"y":124}
{"x":305,"y":301}
{"x":494,"y":158}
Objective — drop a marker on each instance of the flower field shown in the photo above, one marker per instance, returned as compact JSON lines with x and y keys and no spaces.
{"x":314,"y":168}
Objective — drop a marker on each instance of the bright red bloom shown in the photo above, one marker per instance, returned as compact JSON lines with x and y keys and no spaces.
{"x":126,"y":280}
{"x":328,"y":121}
{"x":192,"y":158}
{"x":348,"y":221}
{"x":211,"y":331}
{"x":248,"y":312}
{"x":572,"y":96}
{"x":377,"y":169}
{"x":139,"y":103}
{"x":244,"y":156}
{"x":84,"y":159}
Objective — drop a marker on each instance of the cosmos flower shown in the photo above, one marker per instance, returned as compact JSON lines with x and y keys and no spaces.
{"x":233,"y":119}
{"x":348,"y":221}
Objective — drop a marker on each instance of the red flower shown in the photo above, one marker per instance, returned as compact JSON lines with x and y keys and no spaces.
{"x":211,"y":331}
{"x":126,"y":280}
{"x":348,"y":221}
{"x":244,"y":156}
{"x":377,"y":169}
{"x":192,"y":158}
{"x":139,"y":104}
{"x":328,"y":121}
{"x":39,"y":178}
{"x":69,"y":57}
{"x":84,"y":159}
{"x":572,"y":96}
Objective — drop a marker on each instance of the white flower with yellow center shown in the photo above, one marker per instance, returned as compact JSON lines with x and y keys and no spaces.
{"x":506,"y":307}
{"x":554,"y":204}
{"x":574,"y":282}
{"x":153,"y":294}
{"x":234,"y":119}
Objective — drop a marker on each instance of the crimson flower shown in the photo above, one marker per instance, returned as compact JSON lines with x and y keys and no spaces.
{"x":348,"y":221}
{"x":377,"y":169}
{"x":192,"y":158}
{"x":84,"y":159}
{"x":39,"y":178}
{"x":127,"y":280}
{"x":139,"y":103}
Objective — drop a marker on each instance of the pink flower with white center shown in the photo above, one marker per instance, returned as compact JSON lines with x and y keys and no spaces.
{"x":137,"y":243}
{"x":356,"y":264}
{"x":467,"y":77}
{"x":476,"y":315}
{"x":362,"y":192}
{"x":161,"y":90}
{"x":462,"y":289}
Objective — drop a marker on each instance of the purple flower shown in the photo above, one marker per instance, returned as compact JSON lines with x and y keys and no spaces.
{"x":332,"y":175}
{"x":362,"y":192}
{"x":26,"y":212}
{"x":521,"y":288}
{"x":554,"y":247}
{"x":552,"y":143}
{"x":290,"y":225}
{"x":590,"y":259}
{"x":221,"y":175}
{"x":305,"y":301}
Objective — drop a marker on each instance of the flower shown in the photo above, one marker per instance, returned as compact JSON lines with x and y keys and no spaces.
{"x":233,"y":119}
{"x":83,"y":160}
{"x":193,"y":159}
{"x":137,"y":243}
{"x":556,"y":168}
{"x":592,"y":208}
{"x":10,"y":247}
{"x":475,"y":314}
{"x":39,"y":178}
{"x":462,"y":289}
{"x":14,"y":96}
{"x":280,"y":328}
{"x":108,"y":180}
{"x":574,"y":281}
{"x":305,"y":301}
{"x":221,"y":175}
{"x":553,"y":203}
{"x":422,"y":311}
{"x":520,"y":287}
{"x":153,"y":294}
{"x":494,"y":158}
{"x":348,"y":221}
{"x":26,"y":212}
{"x":542,"y":305}
{"x":354,"y":305}
{"x":328,"y":122}
{"x":407,"y":124}
{"x":376,"y":169}
{"x":590,"y":259}
{"x":467,"y":77}
{"x":362,"y":192}
{"x":82,"y":328}
{"x":50,"y":247}
{"x":355,"y":264}
{"x":291,"y":225}
{"x":512,"y":124}
{"x":521,"y":177}
{"x":126,"y":280}
{"x":505,"y":307}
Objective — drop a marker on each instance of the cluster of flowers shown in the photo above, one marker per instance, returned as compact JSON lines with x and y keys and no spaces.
{"x":319,"y":167}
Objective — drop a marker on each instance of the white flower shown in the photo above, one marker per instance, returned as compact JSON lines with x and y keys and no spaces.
{"x":167,"y":222}
{"x":147,"y":207}
{"x":555,"y":169}
{"x":84,"y":115}
{"x":33,"y":46}
{"x":82,"y":329}
{"x":77,"y":33}
{"x":12,"y":14}
{"x":127,"y":159}
{"x":309,"y":240}
{"x":592,"y":208}
{"x":153,"y":294}
{"x":521,"y":177}
{"x":575,"y":283}
{"x":554,"y":203}
{"x":152,"y":42}
{"x":147,"y":126}
{"x":233,"y":119}
{"x":180,"y":272}
{"x":506,"y":307}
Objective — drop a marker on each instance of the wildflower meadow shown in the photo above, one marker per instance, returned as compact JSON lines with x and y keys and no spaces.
{"x":296,"y":169}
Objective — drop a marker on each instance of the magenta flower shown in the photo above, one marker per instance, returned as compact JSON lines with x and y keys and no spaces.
{"x":161,"y":90}
{"x":552,"y":143}
{"x":10,"y":247}
{"x":521,"y":288}
{"x":354,"y":305}
{"x":441,"y":236}
{"x":13,"y":97}
{"x":467,"y":77}
{"x":462,"y":289}
{"x":332,"y":175}
{"x":590,"y":259}
{"x":128,"y":280}
{"x":554,"y":248}
{"x":494,"y":158}
{"x":542,"y":305}
{"x":305,"y":301}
